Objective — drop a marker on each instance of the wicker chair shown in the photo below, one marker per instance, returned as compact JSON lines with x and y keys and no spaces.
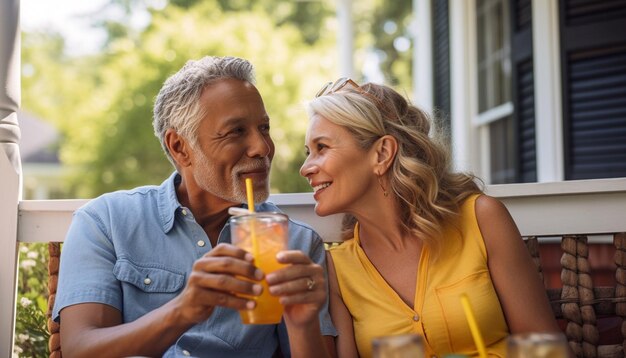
{"x":54,"y":343}
{"x":578,"y":303}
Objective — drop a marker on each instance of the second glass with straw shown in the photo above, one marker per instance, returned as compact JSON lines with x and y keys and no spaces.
{"x":263,"y":235}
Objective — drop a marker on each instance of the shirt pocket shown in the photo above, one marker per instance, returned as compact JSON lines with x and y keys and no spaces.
{"x":148,"y":279}
{"x":146,"y":288}
{"x":485,"y":305}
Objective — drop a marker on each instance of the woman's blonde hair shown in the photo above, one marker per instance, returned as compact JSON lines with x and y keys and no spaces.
{"x":429,"y":192}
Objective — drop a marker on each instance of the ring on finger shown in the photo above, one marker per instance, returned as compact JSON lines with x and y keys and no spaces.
{"x":310,"y":284}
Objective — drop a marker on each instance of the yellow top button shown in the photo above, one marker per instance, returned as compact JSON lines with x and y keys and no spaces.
{"x":416,"y":317}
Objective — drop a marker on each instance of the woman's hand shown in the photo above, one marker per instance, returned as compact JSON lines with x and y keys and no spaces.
{"x":301,"y":287}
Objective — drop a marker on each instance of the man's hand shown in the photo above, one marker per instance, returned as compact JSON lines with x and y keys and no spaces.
{"x":301,"y":287}
{"x":215,"y":280}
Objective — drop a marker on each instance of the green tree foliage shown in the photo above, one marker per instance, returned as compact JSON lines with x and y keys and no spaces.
{"x":391,"y":21}
{"x":53,"y":84}
{"x":307,"y":16}
{"x":377,"y":25}
{"x":103,"y":103}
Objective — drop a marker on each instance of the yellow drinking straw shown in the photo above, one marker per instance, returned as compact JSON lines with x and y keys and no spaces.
{"x":250,"y":195}
{"x":471,"y":320}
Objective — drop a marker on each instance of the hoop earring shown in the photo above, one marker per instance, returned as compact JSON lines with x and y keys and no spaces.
{"x":380,"y":182}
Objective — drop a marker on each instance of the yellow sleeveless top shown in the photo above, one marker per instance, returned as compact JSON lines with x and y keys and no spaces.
{"x":437,"y":314}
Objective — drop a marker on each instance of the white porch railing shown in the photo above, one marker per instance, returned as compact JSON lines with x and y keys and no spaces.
{"x":539,"y":209}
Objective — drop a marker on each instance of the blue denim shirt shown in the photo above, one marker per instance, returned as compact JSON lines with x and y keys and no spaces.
{"x":134,"y":250}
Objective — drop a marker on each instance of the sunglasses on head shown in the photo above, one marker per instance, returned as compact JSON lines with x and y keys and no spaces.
{"x":332,"y":87}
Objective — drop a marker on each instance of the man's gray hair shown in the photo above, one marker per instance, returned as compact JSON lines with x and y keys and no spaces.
{"x":177,"y":104}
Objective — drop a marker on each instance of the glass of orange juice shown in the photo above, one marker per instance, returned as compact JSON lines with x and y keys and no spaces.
{"x":398,"y":346}
{"x":537,"y":345}
{"x":263,"y":235}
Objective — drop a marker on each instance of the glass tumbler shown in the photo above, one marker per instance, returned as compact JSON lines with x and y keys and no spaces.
{"x":398,"y":346}
{"x":537,"y":345}
{"x":270,"y":231}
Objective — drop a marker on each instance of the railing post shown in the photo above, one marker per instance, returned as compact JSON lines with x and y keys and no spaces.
{"x":10,"y":167}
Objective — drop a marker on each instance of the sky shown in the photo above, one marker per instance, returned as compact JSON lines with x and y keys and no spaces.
{"x":69,"y":17}
{"x":72,"y":18}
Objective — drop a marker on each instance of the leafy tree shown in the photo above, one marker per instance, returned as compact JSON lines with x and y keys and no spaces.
{"x":377,"y":25}
{"x":53,"y":84}
{"x":307,"y":16}
{"x":390,"y":22}
{"x":103,"y":102}
{"x":112,"y":137}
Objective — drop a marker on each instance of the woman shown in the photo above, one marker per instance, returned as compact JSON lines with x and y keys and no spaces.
{"x":419,"y":234}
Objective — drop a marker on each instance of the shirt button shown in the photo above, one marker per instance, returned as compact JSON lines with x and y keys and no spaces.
{"x":147,"y":280}
{"x":200,"y":243}
{"x":416,"y":317}
{"x":186,"y":353}
{"x":184,"y":212}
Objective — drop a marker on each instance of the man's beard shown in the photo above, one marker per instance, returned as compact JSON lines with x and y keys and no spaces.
{"x":205,"y":177}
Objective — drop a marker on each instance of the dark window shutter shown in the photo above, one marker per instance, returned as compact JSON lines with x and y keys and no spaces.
{"x":441,"y":62}
{"x":522,"y":14}
{"x":582,"y":12}
{"x":525,"y":114}
{"x":523,"y":90}
{"x":593,"y":57}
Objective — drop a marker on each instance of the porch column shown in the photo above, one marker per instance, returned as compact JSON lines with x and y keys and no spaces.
{"x":422,"y":55}
{"x":345,"y":38}
{"x":466,"y":148}
{"x":548,"y":110}
{"x":10,"y":166}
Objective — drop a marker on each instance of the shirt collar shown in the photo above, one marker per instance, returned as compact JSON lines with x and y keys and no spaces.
{"x":167,"y":201}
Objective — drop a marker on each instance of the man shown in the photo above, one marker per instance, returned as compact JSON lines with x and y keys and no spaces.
{"x":151,"y":272}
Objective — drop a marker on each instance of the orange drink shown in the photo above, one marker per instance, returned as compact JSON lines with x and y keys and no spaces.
{"x":263,"y":235}
{"x":398,"y":346}
{"x":537,"y":345}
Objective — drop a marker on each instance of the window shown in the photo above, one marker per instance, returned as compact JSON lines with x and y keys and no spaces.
{"x":495,"y":107}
